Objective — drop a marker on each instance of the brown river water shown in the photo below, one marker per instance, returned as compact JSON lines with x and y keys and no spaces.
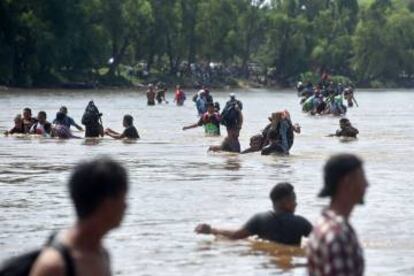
{"x":176,"y":184}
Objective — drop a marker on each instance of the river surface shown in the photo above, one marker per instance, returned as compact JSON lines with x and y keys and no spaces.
{"x":176,"y":184}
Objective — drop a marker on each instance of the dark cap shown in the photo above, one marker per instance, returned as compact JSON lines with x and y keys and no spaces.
{"x":335,"y":169}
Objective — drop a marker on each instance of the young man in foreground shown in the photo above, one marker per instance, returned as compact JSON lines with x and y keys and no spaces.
{"x":333,"y":247}
{"x":98,"y":190}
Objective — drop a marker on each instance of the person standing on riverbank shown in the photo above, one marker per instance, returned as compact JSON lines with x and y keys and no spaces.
{"x":333,"y":247}
{"x":98,"y":191}
{"x":279,"y":225}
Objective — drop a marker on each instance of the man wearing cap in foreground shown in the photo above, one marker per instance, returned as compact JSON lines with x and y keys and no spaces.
{"x":333,"y":247}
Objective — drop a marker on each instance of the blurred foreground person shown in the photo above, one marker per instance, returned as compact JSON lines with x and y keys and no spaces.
{"x":98,"y":191}
{"x":279,"y":225}
{"x":333,"y":247}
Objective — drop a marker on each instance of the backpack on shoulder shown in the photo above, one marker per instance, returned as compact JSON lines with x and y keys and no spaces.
{"x":22,"y":265}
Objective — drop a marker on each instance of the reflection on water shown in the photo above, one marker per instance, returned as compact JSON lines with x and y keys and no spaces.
{"x":176,"y":183}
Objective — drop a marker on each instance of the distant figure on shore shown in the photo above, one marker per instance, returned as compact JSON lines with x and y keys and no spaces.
{"x":279,"y":225}
{"x":92,"y":120}
{"x":230,"y":144}
{"x":28,"y":120}
{"x":179,"y":96}
{"x":151,"y":95}
{"x":60,"y":129}
{"x":130,"y":132}
{"x":68,"y":121}
{"x":42,"y":126}
{"x":18,"y":126}
{"x":98,"y":191}
{"x":210,"y":120}
{"x":161,"y":96}
{"x":333,"y":247}
{"x":345,"y":129}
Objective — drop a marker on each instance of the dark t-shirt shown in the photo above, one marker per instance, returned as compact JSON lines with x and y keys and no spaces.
{"x":131,"y":133}
{"x":285,"y":228}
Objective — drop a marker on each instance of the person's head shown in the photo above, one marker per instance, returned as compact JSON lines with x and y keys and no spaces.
{"x":98,"y":191}
{"x":344,"y":178}
{"x":128,"y":121}
{"x":27,"y":113}
{"x":276,"y":117}
{"x":344,"y":122}
{"x":177,"y":87}
{"x":41,"y":117}
{"x":60,"y":116}
{"x":64,"y":110}
{"x":232,"y":96}
{"x":283,"y":197}
{"x":256,"y":142}
{"x":210,"y":108}
{"x":18,"y":120}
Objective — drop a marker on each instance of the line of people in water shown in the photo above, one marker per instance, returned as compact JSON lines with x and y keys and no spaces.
{"x":327,"y":97}
{"x":277,"y":137}
{"x":98,"y":190}
{"x":61,"y":125}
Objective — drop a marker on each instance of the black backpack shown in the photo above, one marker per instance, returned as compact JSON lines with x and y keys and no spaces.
{"x":21,"y":265}
{"x":230,"y":116}
{"x":91,"y":116}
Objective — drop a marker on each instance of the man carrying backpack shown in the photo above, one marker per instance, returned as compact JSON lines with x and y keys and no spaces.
{"x":232,"y":116}
{"x":92,"y":121}
{"x":98,"y":190}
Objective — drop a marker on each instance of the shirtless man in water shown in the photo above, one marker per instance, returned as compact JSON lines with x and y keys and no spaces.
{"x":98,"y":190}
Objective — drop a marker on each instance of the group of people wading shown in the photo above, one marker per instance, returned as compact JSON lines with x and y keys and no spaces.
{"x":327,"y":97}
{"x":61,"y":125}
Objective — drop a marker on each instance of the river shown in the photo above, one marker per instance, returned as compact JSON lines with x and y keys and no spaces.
{"x":176,"y":184}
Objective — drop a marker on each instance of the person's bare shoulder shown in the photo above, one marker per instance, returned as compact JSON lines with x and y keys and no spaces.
{"x":48,"y":263}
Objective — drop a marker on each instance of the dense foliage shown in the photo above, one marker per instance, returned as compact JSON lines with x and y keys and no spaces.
{"x":55,"y":41}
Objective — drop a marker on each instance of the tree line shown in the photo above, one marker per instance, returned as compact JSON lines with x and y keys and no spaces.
{"x":45,"y":42}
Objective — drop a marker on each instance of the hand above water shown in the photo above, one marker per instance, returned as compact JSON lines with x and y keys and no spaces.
{"x":203,"y":229}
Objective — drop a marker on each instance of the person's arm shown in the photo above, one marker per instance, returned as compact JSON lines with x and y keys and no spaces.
{"x":215,"y":148}
{"x":115,"y":135}
{"x":199,"y":123}
{"x":231,"y":234}
{"x":190,"y":126}
{"x":73,"y":123}
{"x":355,"y":101}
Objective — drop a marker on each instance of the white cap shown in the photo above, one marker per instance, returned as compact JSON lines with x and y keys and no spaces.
{"x":232,"y":95}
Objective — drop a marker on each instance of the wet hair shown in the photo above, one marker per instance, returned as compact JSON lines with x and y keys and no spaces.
{"x":93,"y":181}
{"x":42,"y":113}
{"x":343,"y":121}
{"x":64,"y":108}
{"x":335,"y":169}
{"x":210,"y":105}
{"x":128,"y":119}
{"x":281,"y":191}
{"x":27,"y":109}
